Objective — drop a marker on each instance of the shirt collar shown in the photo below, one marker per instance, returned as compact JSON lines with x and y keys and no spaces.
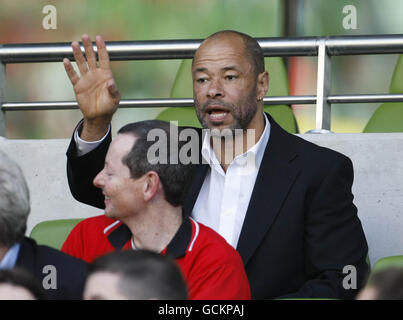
{"x":256,"y":152}
{"x":10,"y":259}
{"x":176,"y":248}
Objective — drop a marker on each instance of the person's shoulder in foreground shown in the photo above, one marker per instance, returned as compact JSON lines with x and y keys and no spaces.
{"x":62,"y":276}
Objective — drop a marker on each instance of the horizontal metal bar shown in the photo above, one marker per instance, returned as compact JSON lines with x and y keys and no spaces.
{"x":183,"y":49}
{"x":365,"y":98}
{"x":188,"y":102}
{"x":118,"y":50}
{"x":369,"y":44}
{"x":145,"y":50}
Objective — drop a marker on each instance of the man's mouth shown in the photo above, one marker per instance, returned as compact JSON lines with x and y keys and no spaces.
{"x":217,"y":113}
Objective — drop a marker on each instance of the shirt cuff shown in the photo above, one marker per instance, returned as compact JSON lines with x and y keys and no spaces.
{"x":83,"y":146}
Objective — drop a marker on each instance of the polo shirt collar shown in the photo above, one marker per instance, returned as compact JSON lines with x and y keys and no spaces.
{"x":176,"y":248}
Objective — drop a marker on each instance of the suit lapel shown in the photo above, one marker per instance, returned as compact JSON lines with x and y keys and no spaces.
{"x":197,"y":182}
{"x":199,"y":175}
{"x":276,"y":175}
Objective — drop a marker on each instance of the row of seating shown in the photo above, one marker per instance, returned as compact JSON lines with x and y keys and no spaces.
{"x":387,"y":118}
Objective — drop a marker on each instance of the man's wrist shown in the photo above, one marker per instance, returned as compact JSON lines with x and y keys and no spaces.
{"x":84,"y":146}
{"x":94,"y":130}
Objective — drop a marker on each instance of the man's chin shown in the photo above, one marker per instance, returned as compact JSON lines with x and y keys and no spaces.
{"x":221,"y":129}
{"x":109,"y":214}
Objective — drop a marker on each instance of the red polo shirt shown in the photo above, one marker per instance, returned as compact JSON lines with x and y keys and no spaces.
{"x":212,"y":268}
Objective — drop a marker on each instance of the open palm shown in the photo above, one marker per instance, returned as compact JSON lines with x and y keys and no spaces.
{"x":96,"y":92}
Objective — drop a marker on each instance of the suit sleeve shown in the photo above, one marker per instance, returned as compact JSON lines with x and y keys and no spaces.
{"x":334,"y":238}
{"x":81,"y":171}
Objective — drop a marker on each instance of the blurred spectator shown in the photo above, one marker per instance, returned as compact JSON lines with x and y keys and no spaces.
{"x":386,"y":284}
{"x":134,"y":275}
{"x":62,"y":276}
{"x":17,"y":284}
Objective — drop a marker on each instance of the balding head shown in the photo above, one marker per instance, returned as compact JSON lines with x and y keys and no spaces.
{"x":249,"y":45}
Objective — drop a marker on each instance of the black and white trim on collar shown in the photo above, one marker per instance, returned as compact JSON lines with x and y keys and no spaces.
{"x":180,"y":243}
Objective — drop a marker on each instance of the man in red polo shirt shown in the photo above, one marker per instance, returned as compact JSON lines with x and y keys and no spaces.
{"x":143,"y":209}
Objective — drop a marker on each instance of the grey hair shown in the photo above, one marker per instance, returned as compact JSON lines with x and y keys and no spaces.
{"x":14,"y":202}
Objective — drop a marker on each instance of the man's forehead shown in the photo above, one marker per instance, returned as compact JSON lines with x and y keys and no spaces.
{"x":121,"y":145}
{"x":230,"y":43}
{"x":217,"y":49}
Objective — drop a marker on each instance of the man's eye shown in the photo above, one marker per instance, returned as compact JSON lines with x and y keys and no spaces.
{"x":201,"y":80}
{"x":230,"y":77}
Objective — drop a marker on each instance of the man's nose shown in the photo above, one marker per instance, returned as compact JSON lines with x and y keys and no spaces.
{"x":215,"y":89}
{"x":98,"y":180}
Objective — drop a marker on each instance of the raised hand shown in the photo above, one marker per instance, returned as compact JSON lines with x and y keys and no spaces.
{"x":96,"y":92}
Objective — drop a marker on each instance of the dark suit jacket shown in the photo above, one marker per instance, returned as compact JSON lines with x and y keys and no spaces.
{"x":70,"y":271}
{"x":301,"y":227}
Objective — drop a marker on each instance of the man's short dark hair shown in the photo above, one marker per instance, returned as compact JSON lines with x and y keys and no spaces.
{"x":143,"y":274}
{"x":388,"y":283}
{"x":175,"y":177}
{"x":252,"y":49}
{"x":20,"y":278}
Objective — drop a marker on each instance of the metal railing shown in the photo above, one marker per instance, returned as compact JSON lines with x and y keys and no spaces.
{"x":322,"y":47}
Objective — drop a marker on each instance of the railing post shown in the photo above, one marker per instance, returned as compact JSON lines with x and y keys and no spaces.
{"x":2,"y":99}
{"x":323,"y":107}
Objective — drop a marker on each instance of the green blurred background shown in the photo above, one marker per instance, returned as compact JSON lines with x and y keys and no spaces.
{"x":21,"y":22}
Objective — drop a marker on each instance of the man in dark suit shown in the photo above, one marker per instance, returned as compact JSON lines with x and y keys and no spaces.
{"x":288,"y":211}
{"x":62,"y":276}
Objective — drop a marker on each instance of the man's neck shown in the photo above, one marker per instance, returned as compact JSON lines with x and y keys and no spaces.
{"x":153,"y":230}
{"x":3,"y":251}
{"x":227,"y":149}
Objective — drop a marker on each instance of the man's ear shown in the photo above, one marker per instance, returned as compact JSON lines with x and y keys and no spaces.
{"x":151,"y":185}
{"x":262,"y":84}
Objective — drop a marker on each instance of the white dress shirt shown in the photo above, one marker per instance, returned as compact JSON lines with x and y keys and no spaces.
{"x":224,"y":196}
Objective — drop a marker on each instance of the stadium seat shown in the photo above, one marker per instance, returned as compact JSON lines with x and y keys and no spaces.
{"x":383,"y":263}
{"x":389,"y":116}
{"x":183,"y":88}
{"x":53,"y":233}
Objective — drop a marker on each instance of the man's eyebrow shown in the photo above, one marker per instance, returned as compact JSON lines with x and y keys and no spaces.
{"x":200,"y":69}
{"x":230,"y":68}
{"x":203,"y":69}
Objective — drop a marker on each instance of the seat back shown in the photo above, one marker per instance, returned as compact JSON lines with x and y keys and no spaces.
{"x":53,"y":233}
{"x":388,"y":117}
{"x":387,"y":262}
{"x":183,"y":88}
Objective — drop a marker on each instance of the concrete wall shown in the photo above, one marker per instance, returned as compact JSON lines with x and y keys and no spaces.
{"x":378,"y":184}
{"x":44,"y":165}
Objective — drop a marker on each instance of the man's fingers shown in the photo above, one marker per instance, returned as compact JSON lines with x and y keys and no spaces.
{"x":102,"y":53}
{"x":78,"y":56}
{"x":89,"y":52}
{"x":113,"y":90}
{"x":71,"y":73}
